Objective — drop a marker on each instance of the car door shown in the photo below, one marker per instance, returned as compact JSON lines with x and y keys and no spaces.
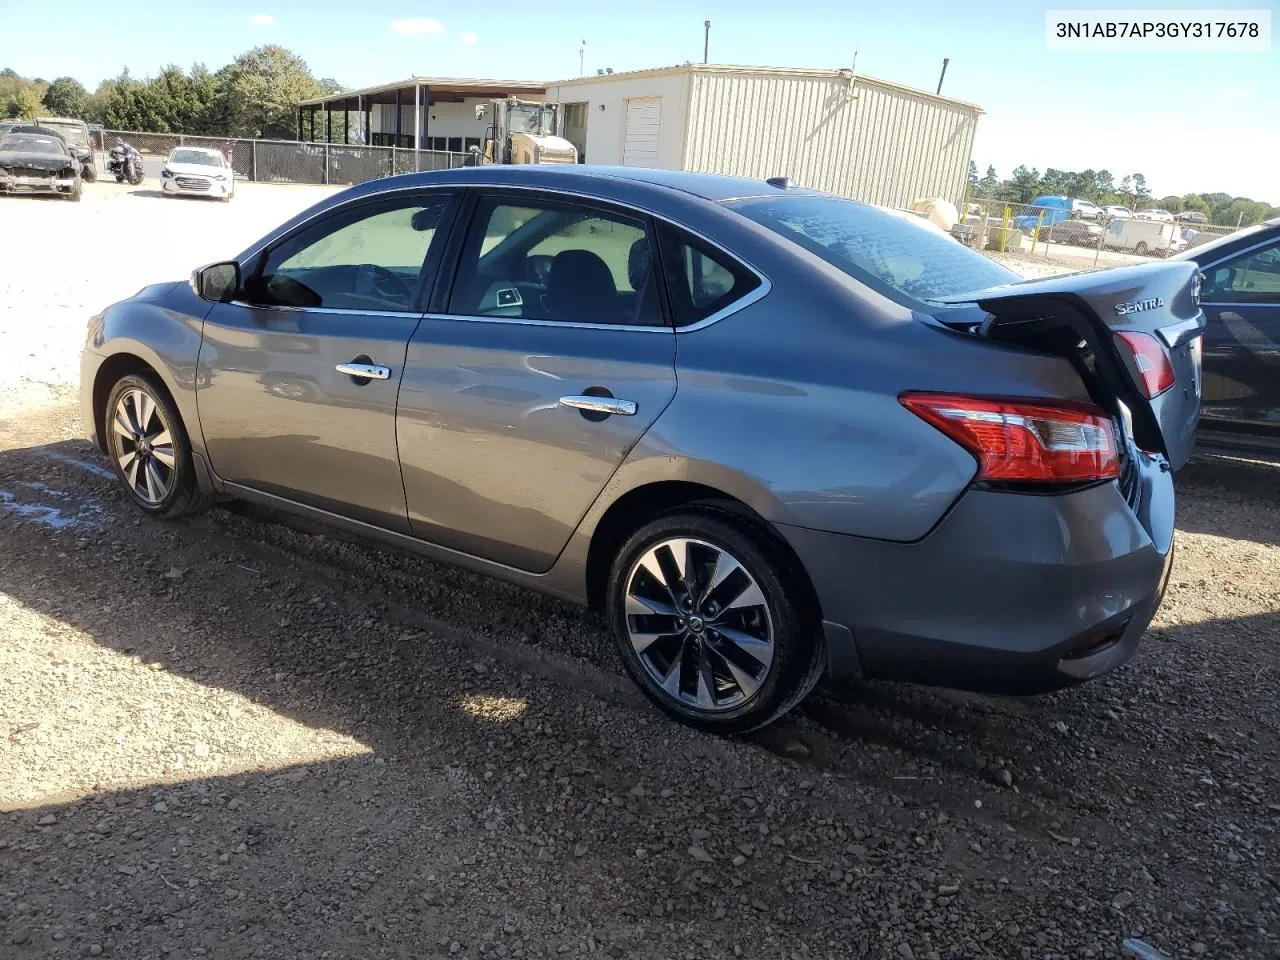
{"x":539,"y":368}
{"x":300,"y":372}
{"x":1241,"y":302}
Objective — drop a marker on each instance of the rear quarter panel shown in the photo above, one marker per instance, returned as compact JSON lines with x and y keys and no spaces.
{"x":791,"y":405}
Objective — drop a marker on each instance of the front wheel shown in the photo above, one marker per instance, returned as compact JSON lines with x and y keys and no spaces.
{"x":708,"y":622}
{"x":149,"y":448}
{"x":90,"y":173}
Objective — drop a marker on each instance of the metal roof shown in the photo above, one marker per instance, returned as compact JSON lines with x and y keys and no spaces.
{"x":805,"y":72}
{"x":466,"y":86}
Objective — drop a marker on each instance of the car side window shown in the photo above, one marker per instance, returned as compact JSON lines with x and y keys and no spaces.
{"x":702,"y":280}
{"x":556,"y":261}
{"x":369,"y":258}
{"x":1254,"y":277}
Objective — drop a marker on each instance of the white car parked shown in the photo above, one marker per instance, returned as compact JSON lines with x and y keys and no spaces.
{"x":198,"y":171}
{"x":1113,"y":211}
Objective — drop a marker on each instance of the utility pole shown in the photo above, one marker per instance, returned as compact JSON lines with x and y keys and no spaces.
{"x":706,"y":39}
{"x":945,"y":61}
{"x":582,"y":59}
{"x":853,"y":67}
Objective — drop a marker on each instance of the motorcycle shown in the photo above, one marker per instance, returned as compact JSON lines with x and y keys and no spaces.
{"x":126,"y":163}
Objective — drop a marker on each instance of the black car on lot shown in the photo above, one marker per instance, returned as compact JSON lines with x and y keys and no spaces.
{"x":37,"y":160}
{"x":1241,"y":302}
{"x":76,"y":134}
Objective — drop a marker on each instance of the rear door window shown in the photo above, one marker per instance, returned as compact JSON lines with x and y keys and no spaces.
{"x":898,"y":254}
{"x":701,"y":279}
{"x":1254,"y":278}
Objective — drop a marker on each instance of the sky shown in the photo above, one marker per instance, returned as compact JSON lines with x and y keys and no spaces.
{"x":1187,"y":121}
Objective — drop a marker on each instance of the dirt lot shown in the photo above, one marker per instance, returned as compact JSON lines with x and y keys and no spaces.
{"x":235,"y":736}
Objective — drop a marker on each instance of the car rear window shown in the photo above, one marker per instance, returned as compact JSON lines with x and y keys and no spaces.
{"x":900,"y":255}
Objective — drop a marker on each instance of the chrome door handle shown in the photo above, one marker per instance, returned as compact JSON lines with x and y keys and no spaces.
{"x":365,"y":371}
{"x":605,"y":405}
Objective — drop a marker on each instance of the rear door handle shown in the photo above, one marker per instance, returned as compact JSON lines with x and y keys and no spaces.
{"x":365,"y":371}
{"x":610,"y":406}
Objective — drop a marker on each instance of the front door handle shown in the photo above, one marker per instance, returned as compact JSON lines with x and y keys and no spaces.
{"x":609,"y":406}
{"x":365,"y":371}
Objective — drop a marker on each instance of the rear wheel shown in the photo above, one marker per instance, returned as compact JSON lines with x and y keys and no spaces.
{"x":708,"y":622}
{"x":90,"y":173}
{"x":150,"y":449}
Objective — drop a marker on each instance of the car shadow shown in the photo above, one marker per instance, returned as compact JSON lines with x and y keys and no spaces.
{"x":1213,"y":489}
{"x":333,"y":767}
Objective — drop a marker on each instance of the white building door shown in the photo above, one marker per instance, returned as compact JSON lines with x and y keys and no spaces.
{"x":640,"y":144}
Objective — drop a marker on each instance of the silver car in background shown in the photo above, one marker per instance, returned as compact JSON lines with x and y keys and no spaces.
{"x":770,"y":433}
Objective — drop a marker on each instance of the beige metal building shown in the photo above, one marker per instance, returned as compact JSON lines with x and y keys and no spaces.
{"x":832,"y":130}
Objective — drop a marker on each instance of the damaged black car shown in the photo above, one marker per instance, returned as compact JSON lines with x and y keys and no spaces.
{"x":37,"y":160}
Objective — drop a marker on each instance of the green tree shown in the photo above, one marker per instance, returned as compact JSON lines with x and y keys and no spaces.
{"x":1023,"y":187}
{"x":264,"y":87}
{"x":1171,"y":203}
{"x":27,"y":104}
{"x":67,"y":97}
{"x":1195,"y":202}
{"x":1104,"y":184}
{"x":973,"y":179}
{"x":988,"y":185}
{"x":1140,"y":189}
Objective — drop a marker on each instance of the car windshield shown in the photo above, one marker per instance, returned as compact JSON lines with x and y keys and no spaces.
{"x":897,"y":255}
{"x":200,"y":157}
{"x":32,"y":143}
{"x":73,"y":133}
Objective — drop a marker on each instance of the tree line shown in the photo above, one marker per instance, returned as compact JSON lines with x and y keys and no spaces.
{"x":1100,"y":187}
{"x":256,"y":95}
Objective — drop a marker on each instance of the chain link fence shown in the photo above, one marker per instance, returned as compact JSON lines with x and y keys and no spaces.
{"x":1020,"y":228}
{"x":288,"y":161}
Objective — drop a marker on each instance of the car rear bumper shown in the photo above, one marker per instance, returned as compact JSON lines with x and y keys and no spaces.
{"x":1010,"y":593}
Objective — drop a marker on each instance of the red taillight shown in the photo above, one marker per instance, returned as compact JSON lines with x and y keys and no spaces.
{"x":1155,"y":372}
{"x":1024,"y":441}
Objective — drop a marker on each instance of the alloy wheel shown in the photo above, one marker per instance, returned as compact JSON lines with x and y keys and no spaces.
{"x":699,"y":624}
{"x":143,"y":446}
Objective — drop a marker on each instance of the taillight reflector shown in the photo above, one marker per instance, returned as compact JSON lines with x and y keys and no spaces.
{"x":1024,"y":441}
{"x":1155,"y":372}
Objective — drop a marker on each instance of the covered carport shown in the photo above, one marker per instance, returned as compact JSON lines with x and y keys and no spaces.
{"x":401,"y":114}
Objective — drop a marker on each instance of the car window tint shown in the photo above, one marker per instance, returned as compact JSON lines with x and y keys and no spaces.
{"x":366,"y":259}
{"x":1255,"y":277}
{"x":702,"y":280}
{"x":901,"y":256}
{"x":556,"y":261}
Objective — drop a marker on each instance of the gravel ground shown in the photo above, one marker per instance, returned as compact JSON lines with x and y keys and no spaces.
{"x":238,"y":736}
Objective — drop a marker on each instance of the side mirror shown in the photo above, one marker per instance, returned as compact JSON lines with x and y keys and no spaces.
{"x":218,"y":282}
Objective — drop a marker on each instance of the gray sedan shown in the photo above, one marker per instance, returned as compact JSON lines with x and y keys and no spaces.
{"x":771,"y":433}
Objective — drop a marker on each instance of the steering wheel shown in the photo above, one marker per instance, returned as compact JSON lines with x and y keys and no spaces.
{"x":372,"y":280}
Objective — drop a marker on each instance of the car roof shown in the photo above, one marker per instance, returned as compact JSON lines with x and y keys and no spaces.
{"x":36,"y":128}
{"x":58,"y":120}
{"x":707,"y":186}
{"x":211,"y":150}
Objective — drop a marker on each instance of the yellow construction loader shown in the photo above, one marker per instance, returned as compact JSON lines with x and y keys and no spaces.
{"x":522,"y":131}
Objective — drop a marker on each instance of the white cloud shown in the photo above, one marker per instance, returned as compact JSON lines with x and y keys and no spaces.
{"x":263,"y":19}
{"x":1232,"y":95}
{"x":469,"y":37}
{"x":417,"y":26}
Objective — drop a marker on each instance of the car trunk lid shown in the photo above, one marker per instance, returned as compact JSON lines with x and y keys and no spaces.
{"x":1093,"y":318}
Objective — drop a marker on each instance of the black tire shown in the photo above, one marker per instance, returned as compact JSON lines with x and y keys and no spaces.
{"x":183,"y":494}
{"x":119,"y":178}
{"x":797,"y":654}
{"x":90,"y":173}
